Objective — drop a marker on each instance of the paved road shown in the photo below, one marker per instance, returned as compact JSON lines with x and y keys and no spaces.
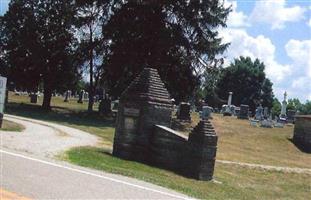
{"x":41,"y":179}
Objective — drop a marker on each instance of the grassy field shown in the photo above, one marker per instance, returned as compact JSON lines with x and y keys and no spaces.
{"x":11,"y":126}
{"x":238,"y":141}
{"x":235,"y":182}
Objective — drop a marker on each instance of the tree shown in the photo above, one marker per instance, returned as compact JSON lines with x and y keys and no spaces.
{"x":90,"y":17}
{"x":294,"y":104}
{"x":39,"y":44}
{"x":276,"y":107}
{"x":179,"y":38}
{"x":248,"y":82}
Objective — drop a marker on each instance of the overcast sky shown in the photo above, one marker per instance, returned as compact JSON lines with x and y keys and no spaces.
{"x":278,"y":32}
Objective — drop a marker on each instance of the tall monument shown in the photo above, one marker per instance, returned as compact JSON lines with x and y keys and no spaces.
{"x":284,"y":105}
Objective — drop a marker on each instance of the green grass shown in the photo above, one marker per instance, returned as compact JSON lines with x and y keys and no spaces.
{"x":11,"y":126}
{"x":236,"y":182}
{"x":70,"y":114}
{"x":238,"y":141}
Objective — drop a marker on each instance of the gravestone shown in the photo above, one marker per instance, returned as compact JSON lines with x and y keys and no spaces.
{"x":291,"y":116}
{"x":104,"y":107}
{"x":143,"y":104}
{"x":266,"y":113}
{"x":244,"y":111}
{"x":266,"y":123}
{"x":184,"y":111}
{"x":254,"y":122}
{"x":259,"y":113}
{"x":33,"y":98}
{"x":86,"y":96}
{"x":206,"y":112}
{"x":3,"y":81}
{"x":81,"y":95}
{"x":115,"y":105}
{"x":228,"y":109}
{"x":237,"y":111}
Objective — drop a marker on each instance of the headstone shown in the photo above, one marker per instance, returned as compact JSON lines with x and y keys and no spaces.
{"x":81,"y":95}
{"x":206,"y":112}
{"x":184,"y":111}
{"x":259,"y":113}
{"x":228,"y":110}
{"x":86,"y":96}
{"x":266,"y":123}
{"x":115,"y":105}
{"x":104,"y":107}
{"x":291,"y":116}
{"x":266,"y":113}
{"x":3,"y":81}
{"x":244,"y":111}
{"x":284,"y":105}
{"x":237,"y":111}
{"x":33,"y":98}
{"x":279,"y":125}
{"x":254,"y":122}
{"x":145,"y":103}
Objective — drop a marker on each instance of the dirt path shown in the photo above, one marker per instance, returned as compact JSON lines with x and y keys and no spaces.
{"x":44,"y":139}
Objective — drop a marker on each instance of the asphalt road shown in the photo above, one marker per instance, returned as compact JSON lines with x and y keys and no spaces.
{"x":44,"y":179}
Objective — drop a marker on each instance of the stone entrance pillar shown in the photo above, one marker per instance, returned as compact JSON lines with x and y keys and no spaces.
{"x":143,"y":104}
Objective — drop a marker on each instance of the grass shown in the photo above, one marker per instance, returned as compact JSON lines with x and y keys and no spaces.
{"x":236,"y":182}
{"x":11,"y":126}
{"x":238,"y":141}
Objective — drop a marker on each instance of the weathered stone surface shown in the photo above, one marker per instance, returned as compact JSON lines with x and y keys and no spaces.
{"x":143,"y":104}
{"x":291,"y":116}
{"x":33,"y":98}
{"x":207,"y":112}
{"x":104,"y":107}
{"x":244,"y":109}
{"x":202,"y":150}
{"x":302,"y":132}
{"x":142,"y":133}
{"x":184,"y":111}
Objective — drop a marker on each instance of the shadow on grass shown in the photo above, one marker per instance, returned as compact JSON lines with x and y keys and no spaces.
{"x":60,"y":114}
{"x":301,"y":147}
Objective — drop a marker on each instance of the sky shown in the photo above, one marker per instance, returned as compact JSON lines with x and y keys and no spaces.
{"x":278,"y":32}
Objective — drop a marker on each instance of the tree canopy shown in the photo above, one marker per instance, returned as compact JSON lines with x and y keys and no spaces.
{"x":247,"y":80}
{"x":39,"y":44}
{"x":179,"y":38}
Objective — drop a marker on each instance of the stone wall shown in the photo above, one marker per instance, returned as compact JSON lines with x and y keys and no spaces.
{"x":142,"y":133}
{"x":193,"y":156}
{"x":302,"y":132}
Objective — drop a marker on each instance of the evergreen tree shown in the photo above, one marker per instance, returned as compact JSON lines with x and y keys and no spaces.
{"x":179,"y":38}
{"x":247,"y":80}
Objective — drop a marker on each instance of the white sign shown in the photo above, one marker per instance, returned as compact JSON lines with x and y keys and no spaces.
{"x":2,"y":92}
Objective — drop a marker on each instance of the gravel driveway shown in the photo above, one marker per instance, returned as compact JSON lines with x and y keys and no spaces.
{"x":44,"y":139}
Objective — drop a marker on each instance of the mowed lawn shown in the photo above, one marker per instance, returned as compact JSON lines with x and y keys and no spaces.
{"x":238,"y":141}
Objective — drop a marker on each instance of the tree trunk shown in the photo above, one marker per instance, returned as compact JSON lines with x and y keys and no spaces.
{"x":46,"y":105}
{"x":91,"y":91}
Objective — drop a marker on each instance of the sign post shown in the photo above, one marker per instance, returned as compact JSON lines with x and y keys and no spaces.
{"x":3,"y":81}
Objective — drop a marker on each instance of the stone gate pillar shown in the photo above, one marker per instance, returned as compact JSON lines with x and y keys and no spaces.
{"x":143,"y":104}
